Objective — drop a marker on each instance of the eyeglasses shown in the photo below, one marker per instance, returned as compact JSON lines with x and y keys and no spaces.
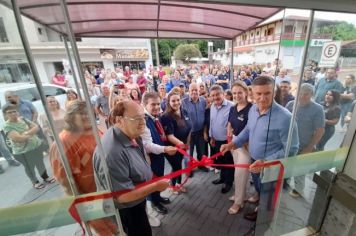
{"x":136,"y":119}
{"x":11,"y":112}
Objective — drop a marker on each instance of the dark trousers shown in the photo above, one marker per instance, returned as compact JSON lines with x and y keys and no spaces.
{"x":134,"y":220}
{"x":176,"y":162}
{"x":197,"y":141}
{"x":329,"y":132}
{"x":157,"y":167}
{"x":226,"y":174}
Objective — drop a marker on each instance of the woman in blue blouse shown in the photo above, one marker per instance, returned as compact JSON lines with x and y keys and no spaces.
{"x":177,"y":126}
{"x":238,"y":117}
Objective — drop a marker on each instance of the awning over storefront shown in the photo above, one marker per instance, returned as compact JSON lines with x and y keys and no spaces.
{"x":147,"y":18}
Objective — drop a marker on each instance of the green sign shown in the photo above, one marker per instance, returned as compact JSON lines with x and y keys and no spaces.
{"x":291,"y":43}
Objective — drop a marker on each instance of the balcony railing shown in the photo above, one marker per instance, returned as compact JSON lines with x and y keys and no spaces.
{"x":285,"y":36}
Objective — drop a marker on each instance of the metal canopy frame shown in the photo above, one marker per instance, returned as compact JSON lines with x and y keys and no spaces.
{"x":189,"y":19}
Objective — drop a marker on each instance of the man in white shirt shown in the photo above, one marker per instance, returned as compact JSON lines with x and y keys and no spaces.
{"x":153,"y":141}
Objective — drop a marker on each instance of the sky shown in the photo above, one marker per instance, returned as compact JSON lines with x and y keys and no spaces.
{"x":350,"y":18}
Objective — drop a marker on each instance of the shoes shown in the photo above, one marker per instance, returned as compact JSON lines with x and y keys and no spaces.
{"x":13,"y":162}
{"x":157,"y":206}
{"x":164,"y":200}
{"x":38,"y":185}
{"x":218,"y":181}
{"x":98,"y":122}
{"x":234,"y":209}
{"x":154,"y":221}
{"x":226,"y":188}
{"x":203,"y":168}
{"x":252,"y":216}
{"x":294,"y":193}
{"x":182,"y":189}
{"x":175,"y":191}
{"x":253,"y":199}
{"x":250,"y":232}
{"x":216,"y":171}
{"x":50,"y":180}
{"x":232,"y":198}
{"x":2,"y":170}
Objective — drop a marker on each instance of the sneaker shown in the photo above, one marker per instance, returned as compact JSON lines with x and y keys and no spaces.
{"x":154,"y":221}
{"x":50,"y":180}
{"x":98,"y":122}
{"x":294,"y":193}
{"x":38,"y":185}
{"x":13,"y":162}
{"x":1,"y":170}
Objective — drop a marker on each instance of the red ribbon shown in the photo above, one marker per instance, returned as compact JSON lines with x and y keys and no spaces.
{"x":193,"y":164}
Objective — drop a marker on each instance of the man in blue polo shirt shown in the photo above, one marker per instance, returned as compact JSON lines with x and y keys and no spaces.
{"x":195,"y":107}
{"x":330,"y":82}
{"x":25,"y":108}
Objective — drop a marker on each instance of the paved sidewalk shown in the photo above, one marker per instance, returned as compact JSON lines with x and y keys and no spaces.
{"x":202,"y":211}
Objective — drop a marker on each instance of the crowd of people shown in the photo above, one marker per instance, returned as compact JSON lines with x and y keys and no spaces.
{"x":245,"y":115}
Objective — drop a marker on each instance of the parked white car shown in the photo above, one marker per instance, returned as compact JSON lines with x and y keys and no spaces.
{"x":28,"y":91}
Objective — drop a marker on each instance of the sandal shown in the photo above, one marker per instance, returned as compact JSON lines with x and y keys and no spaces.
{"x":183,"y":190}
{"x":234,"y":209}
{"x":38,"y":185}
{"x":50,"y":180}
{"x":254,"y":199}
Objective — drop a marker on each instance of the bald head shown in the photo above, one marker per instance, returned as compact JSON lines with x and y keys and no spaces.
{"x":12,"y":97}
{"x":194,"y":91}
{"x":129,"y":118}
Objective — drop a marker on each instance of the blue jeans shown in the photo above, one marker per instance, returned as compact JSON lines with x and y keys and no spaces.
{"x":256,"y":180}
{"x":4,"y":150}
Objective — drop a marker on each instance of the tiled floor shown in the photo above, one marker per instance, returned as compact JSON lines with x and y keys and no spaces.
{"x":202,"y":211}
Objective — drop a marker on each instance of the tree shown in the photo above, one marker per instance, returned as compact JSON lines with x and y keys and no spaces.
{"x":340,"y":31}
{"x":185,"y":52}
{"x":166,"y":47}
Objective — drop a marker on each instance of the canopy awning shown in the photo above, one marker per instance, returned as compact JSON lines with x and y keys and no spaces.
{"x":148,"y":18}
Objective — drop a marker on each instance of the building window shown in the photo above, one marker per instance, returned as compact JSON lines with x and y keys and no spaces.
{"x":40,"y":32}
{"x":270,"y":31}
{"x":305,"y":29}
{"x":3,"y":35}
{"x":251,"y":34}
{"x":288,"y":29}
{"x":257,"y":33}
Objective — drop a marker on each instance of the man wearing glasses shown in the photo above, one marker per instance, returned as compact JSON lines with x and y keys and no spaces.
{"x":127,"y":167}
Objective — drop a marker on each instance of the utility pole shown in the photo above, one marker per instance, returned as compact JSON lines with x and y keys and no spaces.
{"x":157,"y":54}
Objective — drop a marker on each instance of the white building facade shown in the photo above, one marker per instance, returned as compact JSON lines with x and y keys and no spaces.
{"x":282,"y":38}
{"x":49,"y":51}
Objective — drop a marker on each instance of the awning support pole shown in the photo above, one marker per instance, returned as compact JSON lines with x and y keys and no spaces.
{"x":71,"y":38}
{"x":72,"y":66}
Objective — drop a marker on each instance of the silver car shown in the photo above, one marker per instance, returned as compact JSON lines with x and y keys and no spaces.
{"x":28,"y":91}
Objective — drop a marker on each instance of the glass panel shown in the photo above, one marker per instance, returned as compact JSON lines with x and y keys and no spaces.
{"x":37,"y":178}
{"x":323,"y":106}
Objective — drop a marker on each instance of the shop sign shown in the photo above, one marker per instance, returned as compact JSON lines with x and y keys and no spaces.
{"x":122,"y":54}
{"x":318,"y":42}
